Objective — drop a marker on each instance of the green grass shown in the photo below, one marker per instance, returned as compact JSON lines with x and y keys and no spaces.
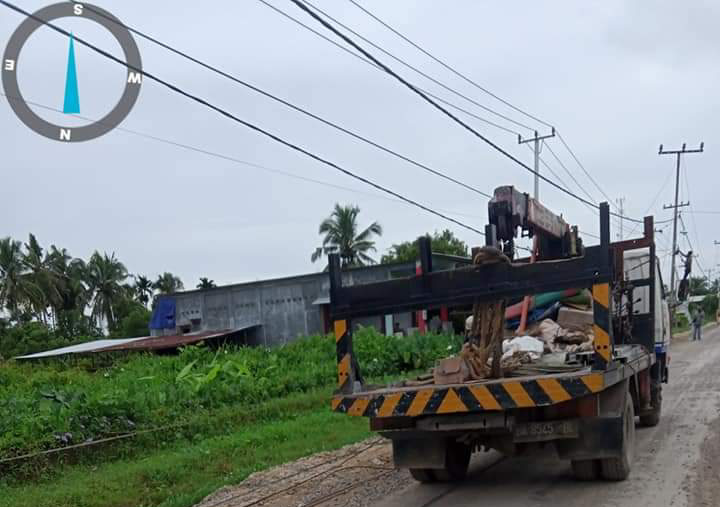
{"x":183,"y":474}
{"x":240,"y":410}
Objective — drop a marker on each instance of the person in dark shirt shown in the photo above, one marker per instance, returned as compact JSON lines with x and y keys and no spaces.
{"x":697,"y":324}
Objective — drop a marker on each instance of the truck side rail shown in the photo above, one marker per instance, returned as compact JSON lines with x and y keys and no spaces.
{"x":594,"y":269}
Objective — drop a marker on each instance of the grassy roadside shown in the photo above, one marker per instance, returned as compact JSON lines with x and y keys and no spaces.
{"x":181,"y":475}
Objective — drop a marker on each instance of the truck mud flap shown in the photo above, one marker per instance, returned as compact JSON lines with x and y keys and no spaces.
{"x":419,"y":453}
{"x":599,"y":437}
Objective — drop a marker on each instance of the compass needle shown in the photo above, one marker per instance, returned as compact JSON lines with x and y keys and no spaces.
{"x":72,"y":97}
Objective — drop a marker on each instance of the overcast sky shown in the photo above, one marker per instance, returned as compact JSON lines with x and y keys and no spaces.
{"x":616,"y":78}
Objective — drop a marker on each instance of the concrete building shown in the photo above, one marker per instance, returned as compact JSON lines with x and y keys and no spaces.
{"x":277,"y":311}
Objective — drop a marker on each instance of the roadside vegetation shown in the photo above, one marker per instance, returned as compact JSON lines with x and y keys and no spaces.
{"x":202,"y":397}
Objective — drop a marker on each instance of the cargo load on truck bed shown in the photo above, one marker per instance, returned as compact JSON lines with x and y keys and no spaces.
{"x":577,"y":376}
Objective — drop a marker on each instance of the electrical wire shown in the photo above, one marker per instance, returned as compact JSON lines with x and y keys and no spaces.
{"x":236,"y":160}
{"x":236,"y":119}
{"x":415,"y":69}
{"x":580,"y":164}
{"x":657,"y":196}
{"x":413,"y":88}
{"x":368,"y":62}
{"x":483,"y":89}
{"x":288,"y":104}
{"x":449,"y":67}
{"x":552,"y":152}
{"x":377,"y":67}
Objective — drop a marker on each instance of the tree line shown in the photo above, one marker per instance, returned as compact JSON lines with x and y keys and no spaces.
{"x":70,"y":295}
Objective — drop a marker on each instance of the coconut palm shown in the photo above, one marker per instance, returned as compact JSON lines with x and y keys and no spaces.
{"x":143,"y":289}
{"x":17,"y":290}
{"x":341,"y":237}
{"x":105,"y":277}
{"x":69,"y":275}
{"x":38,"y":264}
{"x":167,"y":283}
{"x":206,"y":283}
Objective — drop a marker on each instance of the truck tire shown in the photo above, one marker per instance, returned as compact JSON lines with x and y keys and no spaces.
{"x":423,"y":475}
{"x":457,"y":460}
{"x":585,"y":469}
{"x":653,"y":418}
{"x":618,"y":469}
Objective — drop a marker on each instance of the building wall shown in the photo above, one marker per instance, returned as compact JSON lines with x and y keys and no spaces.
{"x":282,"y":309}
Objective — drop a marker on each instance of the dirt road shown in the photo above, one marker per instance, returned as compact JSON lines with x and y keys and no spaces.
{"x":677,"y":463}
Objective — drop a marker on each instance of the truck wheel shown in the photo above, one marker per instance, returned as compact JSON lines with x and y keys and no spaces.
{"x":585,"y":469}
{"x":457,"y":460}
{"x":653,"y":418}
{"x":423,"y":475}
{"x":618,"y":469}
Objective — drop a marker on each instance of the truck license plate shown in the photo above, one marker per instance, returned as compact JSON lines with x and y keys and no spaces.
{"x":550,"y":430}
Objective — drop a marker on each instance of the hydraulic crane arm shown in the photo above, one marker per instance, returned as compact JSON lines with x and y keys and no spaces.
{"x":510,"y":209}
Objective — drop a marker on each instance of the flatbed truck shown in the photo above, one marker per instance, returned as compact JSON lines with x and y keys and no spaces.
{"x":588,"y":414}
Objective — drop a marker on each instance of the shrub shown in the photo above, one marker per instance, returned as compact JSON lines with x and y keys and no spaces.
{"x":58,"y":402}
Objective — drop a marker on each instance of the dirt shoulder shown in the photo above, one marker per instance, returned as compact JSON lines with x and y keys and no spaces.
{"x":356,"y":475}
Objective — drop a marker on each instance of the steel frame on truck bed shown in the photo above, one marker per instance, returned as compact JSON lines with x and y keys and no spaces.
{"x":598,"y":268}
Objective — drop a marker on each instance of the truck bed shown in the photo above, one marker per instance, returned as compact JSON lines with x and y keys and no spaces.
{"x":493,"y":394}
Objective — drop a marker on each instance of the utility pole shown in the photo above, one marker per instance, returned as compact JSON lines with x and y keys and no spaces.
{"x":536,"y":142}
{"x":621,"y":209}
{"x":675,"y":207}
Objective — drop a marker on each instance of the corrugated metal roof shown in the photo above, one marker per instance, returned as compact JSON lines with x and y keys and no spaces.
{"x":81,"y":348}
{"x":141,"y":343}
{"x":322,"y":300}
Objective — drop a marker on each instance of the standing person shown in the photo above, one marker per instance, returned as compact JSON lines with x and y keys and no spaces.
{"x":697,"y":322}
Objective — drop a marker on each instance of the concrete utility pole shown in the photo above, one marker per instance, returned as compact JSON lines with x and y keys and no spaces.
{"x":536,"y":142}
{"x":621,"y":209}
{"x":675,"y":207}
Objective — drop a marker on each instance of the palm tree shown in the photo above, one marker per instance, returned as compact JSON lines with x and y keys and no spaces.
{"x":69,"y":276}
{"x":143,"y":289}
{"x":48,"y":291}
{"x":206,"y":283}
{"x":167,"y":283}
{"x":105,"y":276}
{"x":17,"y":289}
{"x":341,"y":237}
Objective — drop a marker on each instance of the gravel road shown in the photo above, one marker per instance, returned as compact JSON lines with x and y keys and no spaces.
{"x":677,"y":463}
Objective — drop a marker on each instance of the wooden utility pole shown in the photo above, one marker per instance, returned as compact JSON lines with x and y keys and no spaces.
{"x":675,"y":207}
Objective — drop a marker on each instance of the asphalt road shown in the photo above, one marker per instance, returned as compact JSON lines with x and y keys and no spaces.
{"x":677,"y":463}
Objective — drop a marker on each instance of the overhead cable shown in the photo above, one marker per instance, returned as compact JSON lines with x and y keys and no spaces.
{"x":290,"y":105}
{"x":449,"y":67}
{"x":236,"y":119}
{"x":467,"y":127}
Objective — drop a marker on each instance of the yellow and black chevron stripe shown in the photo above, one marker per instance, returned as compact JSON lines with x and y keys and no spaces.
{"x":601,"y":324}
{"x":343,"y":348}
{"x":471,"y":398}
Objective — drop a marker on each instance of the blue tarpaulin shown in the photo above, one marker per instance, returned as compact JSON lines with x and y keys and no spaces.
{"x":163,"y":316}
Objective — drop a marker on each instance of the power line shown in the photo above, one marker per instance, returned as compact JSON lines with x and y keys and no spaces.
{"x":483,"y":89}
{"x":247,"y":124}
{"x":657,"y":196}
{"x":413,"y":88}
{"x":290,"y":104}
{"x":569,"y":173}
{"x":450,"y":104}
{"x":368,"y":62}
{"x":572,"y":153}
{"x":415,"y":69}
{"x":447,"y":66}
{"x":236,"y":160}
